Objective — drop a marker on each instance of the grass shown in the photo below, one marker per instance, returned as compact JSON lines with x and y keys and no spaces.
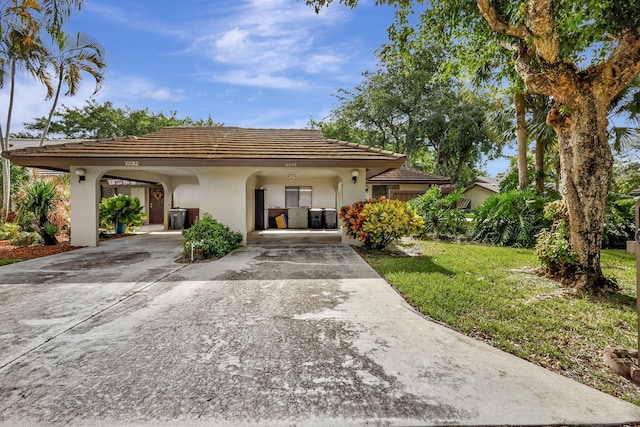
{"x":493,"y":294}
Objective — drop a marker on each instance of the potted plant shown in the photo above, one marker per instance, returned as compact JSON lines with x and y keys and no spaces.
{"x":121,"y":212}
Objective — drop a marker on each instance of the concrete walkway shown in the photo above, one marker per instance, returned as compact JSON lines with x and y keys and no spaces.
{"x":290,"y":334}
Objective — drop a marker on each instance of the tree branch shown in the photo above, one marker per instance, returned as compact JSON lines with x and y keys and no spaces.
{"x":620,"y":68}
{"x":541,"y":22}
{"x":490,"y":14}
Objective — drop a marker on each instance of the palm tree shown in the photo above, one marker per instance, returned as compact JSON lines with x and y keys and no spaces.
{"x":627,"y":106}
{"x":22,"y":22}
{"x":38,"y":201}
{"x":545,"y":137}
{"x":56,"y":12}
{"x":520,"y":105}
{"x":20,"y":48}
{"x":74,"y":55}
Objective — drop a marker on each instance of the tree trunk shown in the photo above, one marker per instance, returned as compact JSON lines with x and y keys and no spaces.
{"x":4,"y":145}
{"x":53,"y":107}
{"x":438,"y":166}
{"x":6,"y":164}
{"x":540,"y":149}
{"x":456,"y":176}
{"x":586,"y":165}
{"x":6,"y":188}
{"x":521,"y":137}
{"x":558,"y":170}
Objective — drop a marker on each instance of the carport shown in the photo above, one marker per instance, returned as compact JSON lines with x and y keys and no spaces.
{"x":214,"y":170}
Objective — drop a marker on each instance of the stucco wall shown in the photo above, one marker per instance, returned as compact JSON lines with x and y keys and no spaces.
{"x":477,"y":195}
{"x":142,"y":193}
{"x":186,"y":192}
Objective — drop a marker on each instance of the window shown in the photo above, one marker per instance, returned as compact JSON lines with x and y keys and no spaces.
{"x":297,"y":197}
{"x":383,"y":190}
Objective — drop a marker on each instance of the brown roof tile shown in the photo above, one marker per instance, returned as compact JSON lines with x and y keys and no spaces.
{"x":408,"y":176}
{"x":205,"y":146}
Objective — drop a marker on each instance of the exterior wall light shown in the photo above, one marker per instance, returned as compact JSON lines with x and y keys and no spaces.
{"x":81,"y":174}
{"x":354,"y":175}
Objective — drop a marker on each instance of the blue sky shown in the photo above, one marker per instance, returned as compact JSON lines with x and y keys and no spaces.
{"x":249,"y":63}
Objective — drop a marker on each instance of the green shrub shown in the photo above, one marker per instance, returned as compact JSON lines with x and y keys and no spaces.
{"x":553,"y":248}
{"x":214,"y":239}
{"x":50,"y":230}
{"x":377,"y":222}
{"x":35,"y":204}
{"x":626,"y":208}
{"x":27,"y":238}
{"x":441,"y":217}
{"x":121,"y":209}
{"x":9,"y":230}
{"x":513,"y":218}
{"x":619,"y":223}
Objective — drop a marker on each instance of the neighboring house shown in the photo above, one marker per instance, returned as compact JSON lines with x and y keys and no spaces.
{"x":218,"y":170}
{"x":404,"y":184}
{"x":483,"y":188}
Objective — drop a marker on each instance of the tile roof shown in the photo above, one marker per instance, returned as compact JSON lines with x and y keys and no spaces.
{"x":488,"y":183}
{"x":211,"y":146}
{"x":408,"y":176}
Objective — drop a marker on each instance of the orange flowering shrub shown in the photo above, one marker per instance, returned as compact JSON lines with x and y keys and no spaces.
{"x":377,"y":222}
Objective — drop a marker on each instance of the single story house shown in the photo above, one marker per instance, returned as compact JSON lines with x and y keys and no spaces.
{"x":482,"y":188}
{"x":219,"y":170}
{"x":403,"y":184}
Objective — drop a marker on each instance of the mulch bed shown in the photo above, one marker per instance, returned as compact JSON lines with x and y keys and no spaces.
{"x":30,"y":252}
{"x":22,"y":253}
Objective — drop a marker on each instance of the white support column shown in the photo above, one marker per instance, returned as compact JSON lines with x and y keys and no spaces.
{"x":85,"y":196}
{"x":223,"y":194}
{"x":352,"y":193}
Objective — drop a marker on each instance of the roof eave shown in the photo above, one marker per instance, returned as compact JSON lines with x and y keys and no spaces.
{"x":407,"y":181}
{"x":64,"y":163}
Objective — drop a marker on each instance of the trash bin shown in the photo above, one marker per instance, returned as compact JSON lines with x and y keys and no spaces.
{"x":176,"y":218}
{"x":315,"y":218}
{"x":330,"y":218}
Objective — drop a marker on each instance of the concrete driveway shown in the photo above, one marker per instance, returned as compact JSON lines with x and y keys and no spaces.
{"x":290,"y":334}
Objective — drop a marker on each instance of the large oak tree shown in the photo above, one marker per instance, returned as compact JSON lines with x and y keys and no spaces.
{"x":581,"y":53}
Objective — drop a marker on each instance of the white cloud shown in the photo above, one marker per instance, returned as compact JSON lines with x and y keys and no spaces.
{"x":324,"y":63}
{"x":30,"y":102}
{"x":261,"y":43}
{"x":258,"y":79}
{"x":266,"y":42}
{"x":233,"y":41}
{"x":127,"y":87}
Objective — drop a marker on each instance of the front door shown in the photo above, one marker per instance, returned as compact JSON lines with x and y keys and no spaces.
{"x":156,"y":205}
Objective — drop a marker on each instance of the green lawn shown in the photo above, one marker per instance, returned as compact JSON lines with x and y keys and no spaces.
{"x":494,"y":295}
